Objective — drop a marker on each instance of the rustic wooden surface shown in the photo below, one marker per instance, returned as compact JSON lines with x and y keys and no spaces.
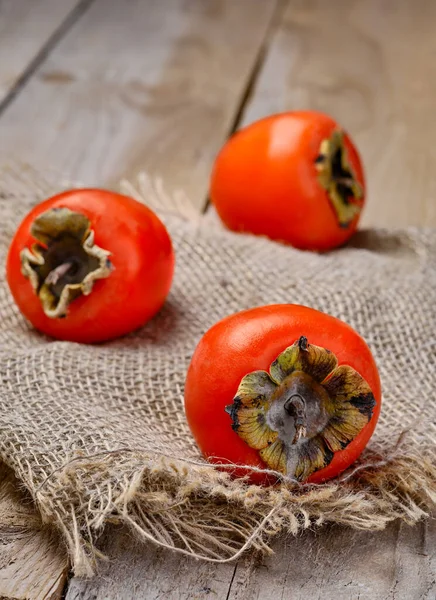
{"x":368,"y":64}
{"x":27,"y":30}
{"x":333,"y":564}
{"x":100,"y":89}
{"x":139,"y":85}
{"x":33,"y":564}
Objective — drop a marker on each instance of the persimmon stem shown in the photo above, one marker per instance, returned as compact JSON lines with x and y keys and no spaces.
{"x":302,"y":343}
{"x":54,"y":275}
{"x":347,"y":181}
{"x":295,"y":406}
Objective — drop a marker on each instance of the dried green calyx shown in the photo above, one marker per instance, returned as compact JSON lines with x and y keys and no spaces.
{"x":65,"y":263}
{"x":337,"y":177}
{"x":302,"y":411}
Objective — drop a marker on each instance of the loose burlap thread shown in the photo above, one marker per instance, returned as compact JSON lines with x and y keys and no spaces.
{"x":97,"y":434}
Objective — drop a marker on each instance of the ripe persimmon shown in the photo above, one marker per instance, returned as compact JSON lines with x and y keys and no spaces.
{"x":282,"y":387}
{"x":295,"y":177}
{"x":89,"y":265}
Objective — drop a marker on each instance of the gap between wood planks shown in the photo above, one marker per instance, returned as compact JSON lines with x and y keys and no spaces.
{"x":42,"y":54}
{"x":258,"y":64}
{"x":252,"y":78}
{"x":239,"y":113}
{"x":232,"y":580}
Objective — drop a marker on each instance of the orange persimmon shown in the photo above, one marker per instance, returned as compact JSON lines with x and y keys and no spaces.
{"x":89,"y":265}
{"x":283,"y":387}
{"x":295,"y":177}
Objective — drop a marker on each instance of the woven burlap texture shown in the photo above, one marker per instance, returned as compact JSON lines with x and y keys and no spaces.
{"x":97,"y":434}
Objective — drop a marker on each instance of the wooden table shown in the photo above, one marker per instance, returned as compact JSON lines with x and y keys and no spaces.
{"x":101,"y":89}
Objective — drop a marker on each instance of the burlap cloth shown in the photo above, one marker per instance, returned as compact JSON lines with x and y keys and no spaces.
{"x":97,"y":433}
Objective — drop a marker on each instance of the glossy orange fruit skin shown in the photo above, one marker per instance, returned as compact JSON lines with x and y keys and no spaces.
{"x":264,"y":181}
{"x":252,"y":340}
{"x":142,"y":256}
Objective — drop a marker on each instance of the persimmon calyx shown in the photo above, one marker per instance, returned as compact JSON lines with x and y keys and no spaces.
{"x":64,"y":263}
{"x":302,"y":411}
{"x":337,"y":177}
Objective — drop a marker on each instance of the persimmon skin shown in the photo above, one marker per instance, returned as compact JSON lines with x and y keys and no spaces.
{"x":264,"y":181}
{"x":143,"y":264}
{"x":251,"y":340}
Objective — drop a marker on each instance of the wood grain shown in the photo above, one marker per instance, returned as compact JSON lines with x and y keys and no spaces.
{"x":33,"y":561}
{"x":340,"y":564}
{"x":371,"y":65}
{"x":25,"y":28}
{"x":334,"y":563}
{"x":146,"y":572}
{"x":140,"y":85}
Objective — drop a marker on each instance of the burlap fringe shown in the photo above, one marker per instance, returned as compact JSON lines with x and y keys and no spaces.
{"x":196,"y":510}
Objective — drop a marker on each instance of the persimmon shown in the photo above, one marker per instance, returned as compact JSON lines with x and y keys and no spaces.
{"x":284,"y":388}
{"x":89,"y":265}
{"x":295,"y":177}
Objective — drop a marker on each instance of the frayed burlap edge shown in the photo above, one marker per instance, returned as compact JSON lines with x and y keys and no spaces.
{"x":194,"y":509}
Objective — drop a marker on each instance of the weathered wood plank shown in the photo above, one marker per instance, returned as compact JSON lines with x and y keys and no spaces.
{"x":140,"y":85}
{"x":369,"y":64}
{"x":340,"y":564}
{"x":33,"y":561}
{"x":26,"y":27}
{"x":143,"y":571}
{"x":335,"y":563}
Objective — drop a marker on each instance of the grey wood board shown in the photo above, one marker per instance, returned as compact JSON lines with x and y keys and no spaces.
{"x":333,"y":563}
{"x":33,"y":560}
{"x":139,"y":86}
{"x":25,"y":28}
{"x":370,"y":65}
